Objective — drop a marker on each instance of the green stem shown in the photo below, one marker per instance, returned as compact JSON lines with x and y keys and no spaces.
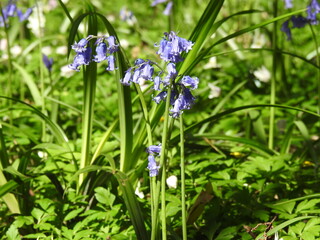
{"x":89,"y":78}
{"x":318,"y":63}
{"x":42,"y":84}
{"x":274,"y":72}
{"x":154,"y":203}
{"x":9,"y":90}
{"x":163,"y":164}
{"x":183,"y":186}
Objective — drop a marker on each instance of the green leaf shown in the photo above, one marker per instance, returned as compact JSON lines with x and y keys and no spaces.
{"x":27,"y":78}
{"x":74,"y":213}
{"x":307,"y":204}
{"x":132,"y":205}
{"x":13,"y":233}
{"x":283,"y":225}
{"x":286,"y":207}
{"x":104,"y":196}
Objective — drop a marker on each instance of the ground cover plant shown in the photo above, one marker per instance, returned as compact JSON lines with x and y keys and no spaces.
{"x":162,"y":119}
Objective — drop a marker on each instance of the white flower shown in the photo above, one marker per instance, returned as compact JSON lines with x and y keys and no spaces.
{"x":138,"y":192}
{"x":172,"y":181}
{"x":259,"y":40}
{"x":3,"y":44}
{"x":37,"y":20}
{"x":214,"y":91}
{"x":262,"y":74}
{"x":42,"y":154}
{"x":62,"y":50}
{"x":47,"y":50}
{"x":124,"y":43}
{"x":15,"y":50}
{"x":65,"y":71}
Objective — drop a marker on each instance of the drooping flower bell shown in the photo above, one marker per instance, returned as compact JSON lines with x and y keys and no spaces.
{"x":312,"y":10}
{"x":48,"y":62}
{"x":152,"y":166}
{"x":172,"y":46}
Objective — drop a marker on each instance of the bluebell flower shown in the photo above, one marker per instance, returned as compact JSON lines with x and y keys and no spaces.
{"x":136,"y":76}
{"x":312,"y":10}
{"x":80,"y":46}
{"x":154,"y":149}
{"x":127,"y":78}
{"x":24,"y":16}
{"x":101,"y":51}
{"x":125,"y":14}
{"x":188,"y":81}
{"x":138,"y":61}
{"x":152,"y":166}
{"x":168,"y":8}
{"x":288,"y":4}
{"x":128,"y":16}
{"x":188,"y":98}
{"x":157,"y":82}
{"x":285,"y":28}
{"x":171,"y":73}
{"x":10,"y":10}
{"x":146,"y":71}
{"x":82,"y":58}
{"x":178,"y":106}
{"x":111,"y":63}
{"x":48,"y":62}
{"x":298,"y":21}
{"x":156,"y":2}
{"x":171,"y":47}
{"x":162,"y":95}
{"x":112,"y":46}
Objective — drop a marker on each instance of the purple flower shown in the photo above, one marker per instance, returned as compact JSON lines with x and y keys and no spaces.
{"x":48,"y":62}
{"x":160,"y":97}
{"x":298,"y":21}
{"x":157,"y":81}
{"x":138,"y":61}
{"x":172,"y":73}
{"x":24,"y":16}
{"x":288,"y":4}
{"x":82,"y":58}
{"x":146,"y":71}
{"x":136,"y":76}
{"x":312,"y":10}
{"x":156,"y":2}
{"x":80,"y":46}
{"x":127,"y":78}
{"x":188,"y":98}
{"x":178,"y":106}
{"x":171,"y":47}
{"x":10,"y":10}
{"x":154,"y":149}
{"x":113,"y":47}
{"x":101,"y":51}
{"x":152,"y":166}
{"x":285,"y":28}
{"x":168,"y":8}
{"x":188,"y":81}
{"x":111,"y":64}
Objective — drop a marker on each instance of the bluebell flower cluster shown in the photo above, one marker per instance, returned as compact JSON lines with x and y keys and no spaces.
{"x":11,"y":10}
{"x":299,"y":21}
{"x":170,"y":49}
{"x":153,"y":150}
{"x":167,"y":10}
{"x":105,"y":47}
